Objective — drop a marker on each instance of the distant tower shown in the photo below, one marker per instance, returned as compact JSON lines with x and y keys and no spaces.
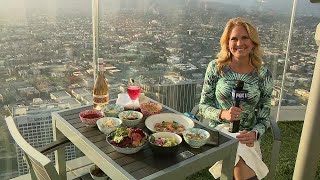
{"x":187,"y":2}
{"x":204,"y":4}
{"x":124,"y":4}
{"x":181,"y":97}
{"x":259,"y":5}
{"x":275,"y":66}
{"x":191,"y":32}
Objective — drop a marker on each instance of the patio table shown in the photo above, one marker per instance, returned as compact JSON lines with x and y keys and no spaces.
{"x":143,"y":164}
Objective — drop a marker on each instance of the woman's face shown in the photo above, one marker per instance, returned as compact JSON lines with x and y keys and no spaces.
{"x":240,"y":45}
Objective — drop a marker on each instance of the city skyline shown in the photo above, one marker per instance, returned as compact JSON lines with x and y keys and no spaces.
{"x":171,"y":45}
{"x":49,"y":52}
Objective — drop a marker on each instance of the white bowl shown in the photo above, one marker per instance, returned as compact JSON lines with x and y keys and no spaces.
{"x":127,"y":150}
{"x":151,"y":121}
{"x":130,"y":122}
{"x":108,"y":124}
{"x":112,"y":110}
{"x":90,"y":116}
{"x":194,"y":142}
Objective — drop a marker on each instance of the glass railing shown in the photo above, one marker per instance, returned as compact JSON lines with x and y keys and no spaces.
{"x":171,"y":43}
{"x":45,"y":63}
{"x":46,"y":58}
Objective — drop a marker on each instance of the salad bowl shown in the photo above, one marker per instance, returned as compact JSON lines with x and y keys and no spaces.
{"x":196,"y":137}
{"x":108,"y":124}
{"x":130,"y":118}
{"x":165,"y":143}
{"x":127,"y":140}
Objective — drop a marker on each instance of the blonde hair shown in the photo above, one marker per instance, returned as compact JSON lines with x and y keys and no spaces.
{"x":224,"y":56}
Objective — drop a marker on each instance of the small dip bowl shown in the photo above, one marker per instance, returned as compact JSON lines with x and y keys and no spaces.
{"x":108,"y":124}
{"x":130,"y":118}
{"x":112,"y":110}
{"x":90,"y":117}
{"x":196,"y":137}
{"x":150,"y":108}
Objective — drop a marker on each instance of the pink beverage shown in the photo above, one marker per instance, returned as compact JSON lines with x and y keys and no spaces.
{"x":134,"y":92}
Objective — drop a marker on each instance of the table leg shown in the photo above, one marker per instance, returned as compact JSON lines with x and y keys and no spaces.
{"x":60,"y":158}
{"x":228,"y":163}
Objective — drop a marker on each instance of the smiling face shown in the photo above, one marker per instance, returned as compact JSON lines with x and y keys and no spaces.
{"x":240,"y":44}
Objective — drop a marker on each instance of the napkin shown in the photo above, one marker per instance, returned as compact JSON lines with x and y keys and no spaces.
{"x":125,"y":101}
{"x":143,"y":98}
{"x":251,"y":155}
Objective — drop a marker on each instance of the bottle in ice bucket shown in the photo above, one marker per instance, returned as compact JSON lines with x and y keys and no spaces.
{"x":100,"y":88}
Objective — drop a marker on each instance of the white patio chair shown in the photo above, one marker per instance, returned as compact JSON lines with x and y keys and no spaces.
{"x":40,"y":166}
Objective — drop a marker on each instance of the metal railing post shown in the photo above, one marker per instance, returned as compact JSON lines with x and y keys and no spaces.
{"x":287,"y":57}
{"x":309,"y":149}
{"x":95,"y":35}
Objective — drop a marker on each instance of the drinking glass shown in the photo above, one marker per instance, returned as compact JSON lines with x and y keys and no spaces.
{"x":133,"y":90}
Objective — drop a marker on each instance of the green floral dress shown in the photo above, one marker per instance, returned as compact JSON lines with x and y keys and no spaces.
{"x":216,"y":95}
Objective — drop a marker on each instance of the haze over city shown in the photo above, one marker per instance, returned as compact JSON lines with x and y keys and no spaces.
{"x":46,"y":47}
{"x":12,"y":7}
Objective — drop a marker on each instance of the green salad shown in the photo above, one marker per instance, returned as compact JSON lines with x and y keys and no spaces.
{"x":128,"y":137}
{"x":163,"y":141}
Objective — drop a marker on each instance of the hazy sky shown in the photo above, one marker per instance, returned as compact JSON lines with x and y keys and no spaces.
{"x":17,"y":7}
{"x":303,"y":6}
{"x":20,"y":8}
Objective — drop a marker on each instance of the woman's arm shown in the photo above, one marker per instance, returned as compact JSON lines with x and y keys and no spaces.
{"x":208,"y":106}
{"x":264,"y":104}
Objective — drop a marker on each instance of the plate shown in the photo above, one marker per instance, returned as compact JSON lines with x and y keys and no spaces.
{"x":151,"y":121}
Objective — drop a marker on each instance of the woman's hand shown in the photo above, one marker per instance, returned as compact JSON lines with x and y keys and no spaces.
{"x":232,"y":114}
{"x":247,"y":137}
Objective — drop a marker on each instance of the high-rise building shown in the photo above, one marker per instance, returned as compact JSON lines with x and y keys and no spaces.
{"x":35,"y":125}
{"x":181,"y":97}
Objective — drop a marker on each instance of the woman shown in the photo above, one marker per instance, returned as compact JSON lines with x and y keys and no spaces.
{"x":239,"y":59}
